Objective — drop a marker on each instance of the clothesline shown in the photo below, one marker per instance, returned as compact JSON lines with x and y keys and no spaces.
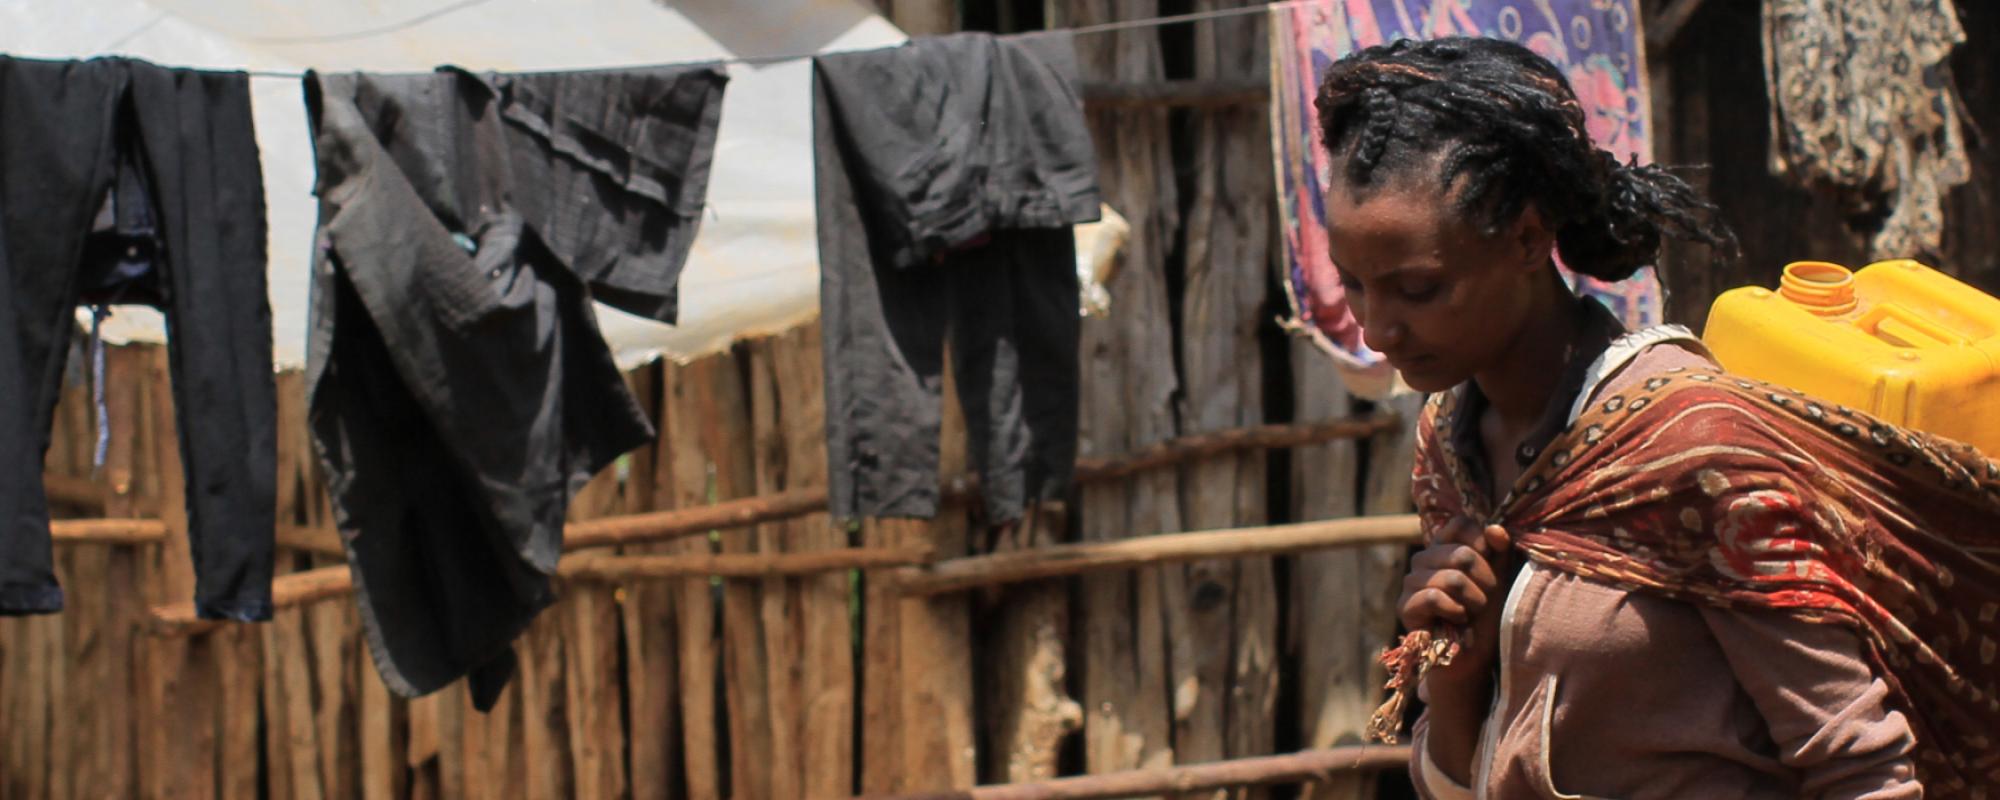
{"x":1102,"y":27}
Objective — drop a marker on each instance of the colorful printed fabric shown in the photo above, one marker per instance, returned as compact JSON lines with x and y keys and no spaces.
{"x":1876,"y":122}
{"x":1597,"y":43}
{"x":1706,"y":488}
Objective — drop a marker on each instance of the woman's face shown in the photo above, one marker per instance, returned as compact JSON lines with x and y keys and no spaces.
{"x":1439,"y":299}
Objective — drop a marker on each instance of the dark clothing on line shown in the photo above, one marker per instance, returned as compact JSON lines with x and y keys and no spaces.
{"x":459,"y":389}
{"x":949,"y":172}
{"x":125,"y":182}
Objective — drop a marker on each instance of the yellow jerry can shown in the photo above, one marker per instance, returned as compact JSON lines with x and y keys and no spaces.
{"x":1896,"y":339}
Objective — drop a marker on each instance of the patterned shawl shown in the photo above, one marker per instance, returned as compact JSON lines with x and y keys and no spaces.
{"x":1706,"y":488}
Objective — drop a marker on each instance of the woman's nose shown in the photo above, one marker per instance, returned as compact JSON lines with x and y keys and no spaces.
{"x":1383,"y":333}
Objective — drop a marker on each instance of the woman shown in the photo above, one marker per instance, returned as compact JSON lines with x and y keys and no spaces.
{"x":1643,"y":578}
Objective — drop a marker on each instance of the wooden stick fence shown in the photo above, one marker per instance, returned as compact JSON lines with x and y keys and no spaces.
{"x":914,"y":576}
{"x":1302,"y":767}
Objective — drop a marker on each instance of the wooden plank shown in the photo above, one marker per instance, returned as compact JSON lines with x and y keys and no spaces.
{"x":935,"y":636}
{"x":779,"y":608}
{"x":239,"y":678}
{"x":589,"y":618}
{"x":646,"y":614}
{"x":545,"y":737}
{"x":682,"y":478}
{"x":457,"y":776}
{"x":180,"y":695}
{"x":594,"y":702}
{"x":383,"y":731}
{"x":114,"y":741}
{"x":333,"y":630}
{"x":1028,"y":712}
{"x":71,"y":448}
{"x":882,"y":732}
{"x":289,"y":702}
{"x":1334,"y":637}
{"x":1128,"y":396}
{"x":505,"y":743}
{"x":722,"y":403}
{"x":1233,"y":605}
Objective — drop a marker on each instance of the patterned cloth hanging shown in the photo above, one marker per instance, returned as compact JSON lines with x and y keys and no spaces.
{"x":1862,"y":102}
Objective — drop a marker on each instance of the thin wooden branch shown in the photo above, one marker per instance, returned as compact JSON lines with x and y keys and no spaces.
{"x":83,"y":494}
{"x":739,"y":565}
{"x":287,"y":591}
{"x":1077,"y":559}
{"x":107,"y":531}
{"x":1302,"y":767}
{"x":1666,"y":26}
{"x":318,"y":541}
{"x":1184,"y":93}
{"x":663,"y":525}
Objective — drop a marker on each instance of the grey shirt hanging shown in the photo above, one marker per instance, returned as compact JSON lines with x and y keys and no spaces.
{"x":459,"y":389}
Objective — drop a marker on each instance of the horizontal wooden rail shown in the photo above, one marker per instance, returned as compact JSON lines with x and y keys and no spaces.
{"x":681,"y":522}
{"x":1301,"y":767}
{"x":657,"y":527}
{"x":287,"y":591}
{"x":960,"y":574}
{"x":107,"y":531}
{"x":911,"y":574}
{"x":78,"y":493}
{"x":739,"y":565}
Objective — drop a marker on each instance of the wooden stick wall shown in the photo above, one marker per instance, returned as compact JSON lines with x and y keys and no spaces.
{"x":794,"y":681}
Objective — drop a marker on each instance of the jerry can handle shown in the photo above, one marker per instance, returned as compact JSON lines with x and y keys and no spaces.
{"x":1899,"y":326}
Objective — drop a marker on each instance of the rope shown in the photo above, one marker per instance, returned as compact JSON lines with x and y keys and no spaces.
{"x":1104,"y":27}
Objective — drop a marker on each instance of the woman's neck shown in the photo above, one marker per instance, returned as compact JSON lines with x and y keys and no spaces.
{"x":1518,"y":386}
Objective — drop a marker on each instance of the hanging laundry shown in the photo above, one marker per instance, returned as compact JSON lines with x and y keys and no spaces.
{"x":1862,"y":102}
{"x":1598,"y":44}
{"x":459,"y":389}
{"x":950,"y":170}
{"x":125,"y":182}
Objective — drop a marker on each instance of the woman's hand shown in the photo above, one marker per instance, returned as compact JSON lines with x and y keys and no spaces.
{"x":1457,"y":580}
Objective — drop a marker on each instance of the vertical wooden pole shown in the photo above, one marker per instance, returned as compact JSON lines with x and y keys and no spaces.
{"x":779,"y":608}
{"x":684,"y":470}
{"x":935,"y":634}
{"x":1231,"y":612}
{"x":1128,"y":396}
{"x":805,"y":619}
{"x":652,"y":673}
{"x":1029,"y":711}
{"x":647,"y":619}
{"x":177,"y":729}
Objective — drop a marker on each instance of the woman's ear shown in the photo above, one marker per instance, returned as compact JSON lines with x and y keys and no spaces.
{"x":1532,"y":241}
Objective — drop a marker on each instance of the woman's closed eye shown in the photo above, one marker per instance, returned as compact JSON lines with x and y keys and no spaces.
{"x":1418,"y":291}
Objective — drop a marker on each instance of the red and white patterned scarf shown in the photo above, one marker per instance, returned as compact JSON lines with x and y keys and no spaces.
{"x":1706,"y":488}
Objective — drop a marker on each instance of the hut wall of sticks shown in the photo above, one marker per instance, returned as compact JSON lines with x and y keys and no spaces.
{"x":720,"y":636}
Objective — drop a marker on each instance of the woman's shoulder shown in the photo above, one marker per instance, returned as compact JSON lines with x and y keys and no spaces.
{"x":1657,"y":351}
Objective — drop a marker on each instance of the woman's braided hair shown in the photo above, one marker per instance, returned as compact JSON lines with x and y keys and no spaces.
{"x":1505,"y":131}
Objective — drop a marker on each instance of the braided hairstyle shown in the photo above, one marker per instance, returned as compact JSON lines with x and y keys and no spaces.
{"x":1505,"y":131}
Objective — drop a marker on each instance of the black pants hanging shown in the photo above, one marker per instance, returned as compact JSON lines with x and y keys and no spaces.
{"x":186,"y":233}
{"x":949,"y":171}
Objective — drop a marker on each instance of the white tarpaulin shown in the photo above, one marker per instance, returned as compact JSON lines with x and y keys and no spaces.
{"x":754,"y":266}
